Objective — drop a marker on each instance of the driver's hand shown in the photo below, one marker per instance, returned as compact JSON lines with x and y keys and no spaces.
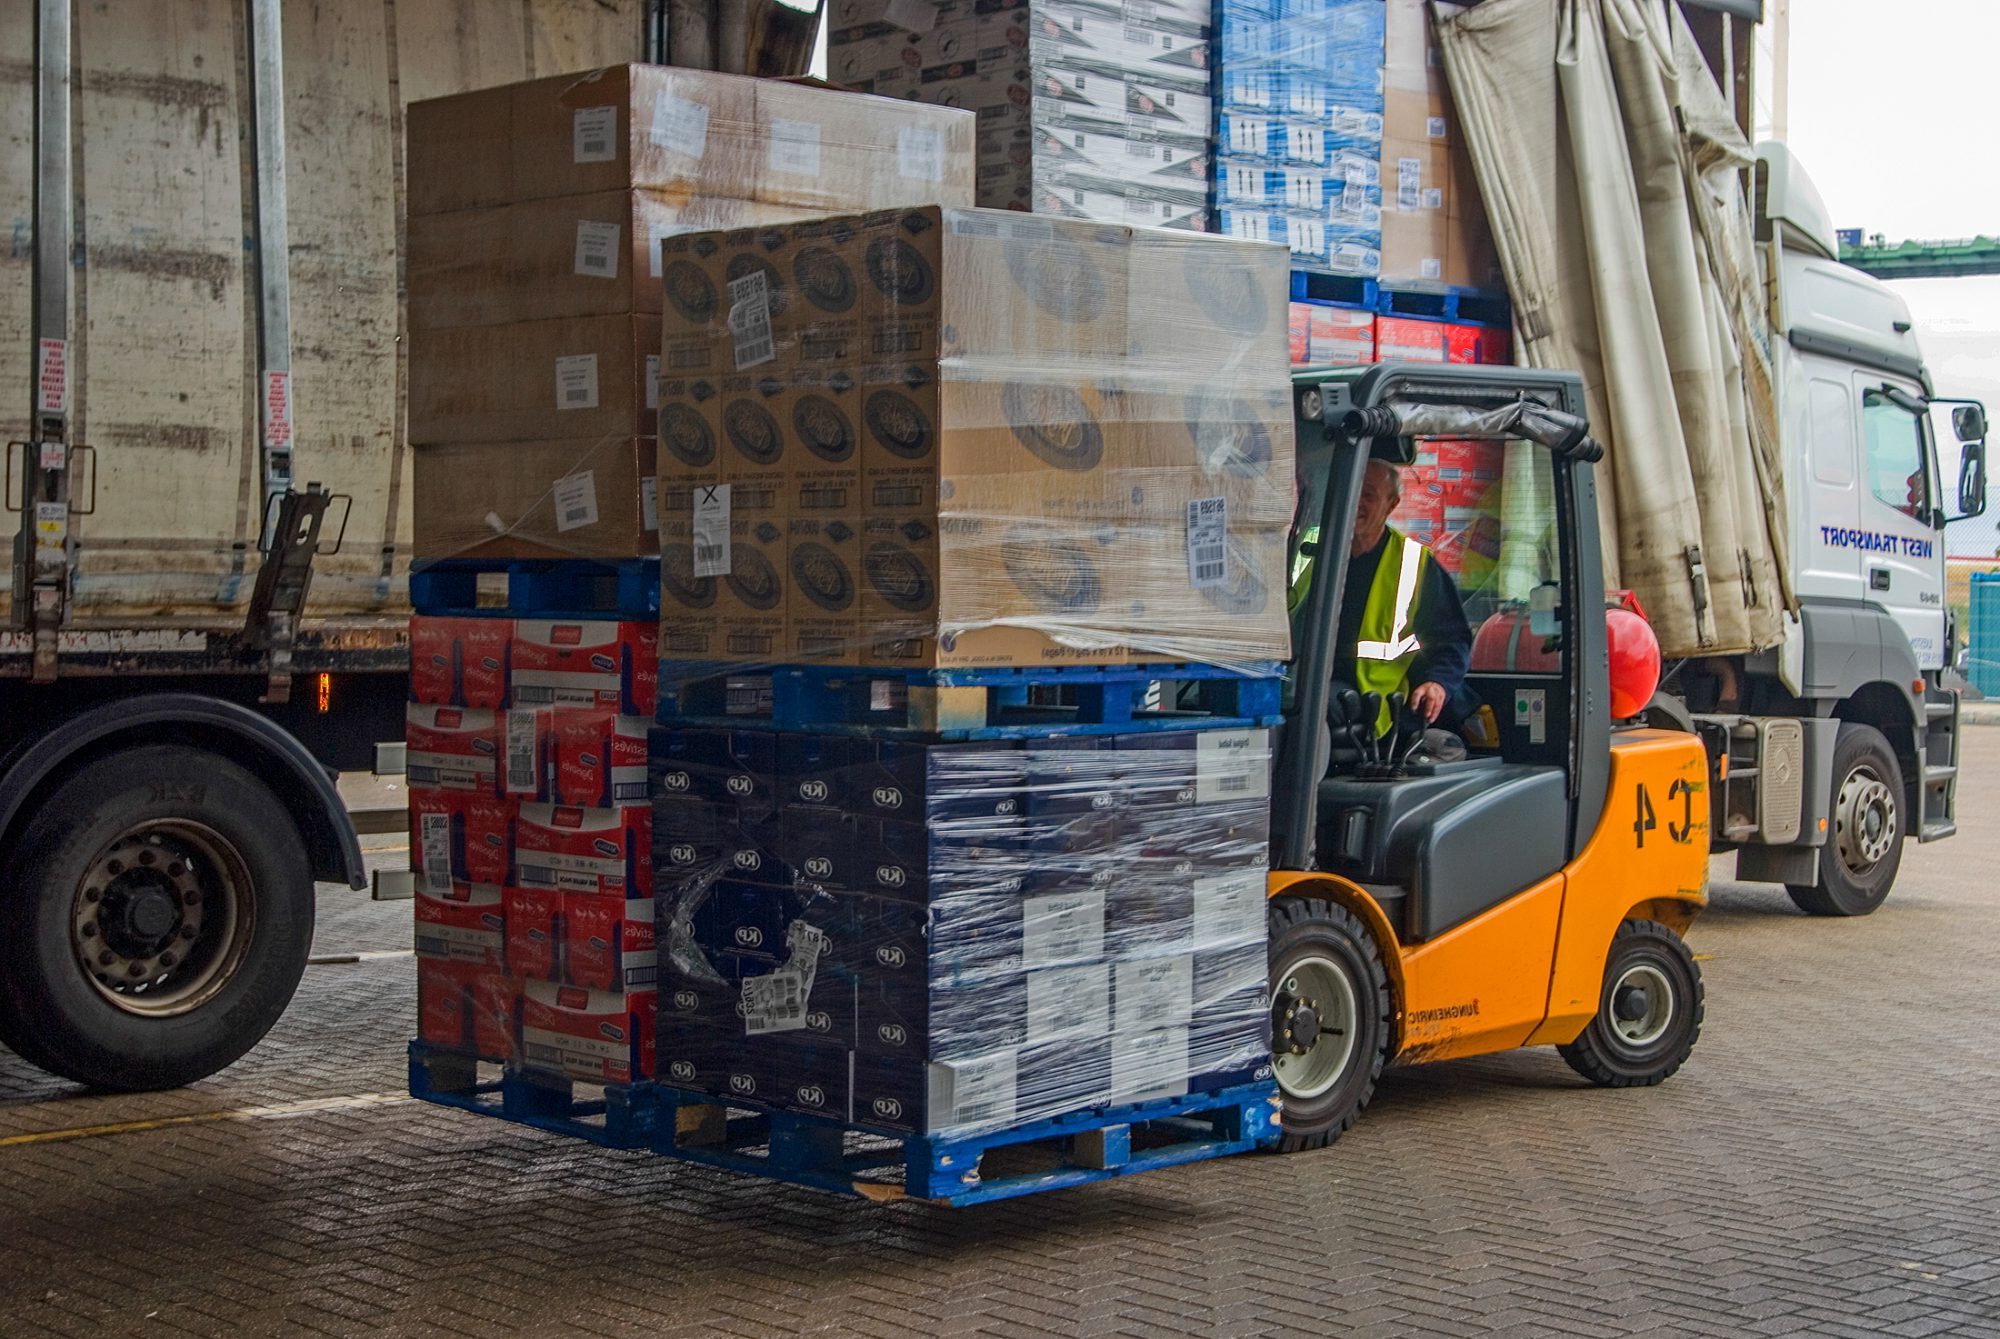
{"x":1427,"y":700}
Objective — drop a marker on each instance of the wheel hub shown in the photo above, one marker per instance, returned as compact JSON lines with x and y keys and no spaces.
{"x":1630,"y":1004}
{"x":1864,"y":817}
{"x":1300,"y":1024}
{"x":160,"y":919}
{"x":1314,"y":1020}
{"x":1641,"y":1006}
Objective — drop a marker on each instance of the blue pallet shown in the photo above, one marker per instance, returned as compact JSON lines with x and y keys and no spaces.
{"x":1982,"y":654}
{"x":1077,"y":1148}
{"x":1335,"y":290}
{"x":960,"y":704}
{"x":1434,"y":302}
{"x":537,"y":588}
{"x":624,"y":1116}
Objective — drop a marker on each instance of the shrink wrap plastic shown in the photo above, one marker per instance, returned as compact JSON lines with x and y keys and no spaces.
{"x":952,"y":938}
{"x":971,"y":437}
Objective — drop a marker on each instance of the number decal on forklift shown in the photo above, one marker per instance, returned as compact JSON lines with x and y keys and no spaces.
{"x":1645,"y":822}
{"x":1682,"y":830}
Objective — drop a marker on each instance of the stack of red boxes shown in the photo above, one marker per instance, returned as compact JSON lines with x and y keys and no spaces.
{"x":530,"y":834}
{"x":1323,"y":334}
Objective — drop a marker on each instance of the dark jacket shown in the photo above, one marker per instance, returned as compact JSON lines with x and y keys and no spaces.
{"x":1438,"y":620}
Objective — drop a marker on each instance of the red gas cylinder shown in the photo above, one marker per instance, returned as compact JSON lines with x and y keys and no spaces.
{"x":1635,"y":655}
{"x":1504,"y":645}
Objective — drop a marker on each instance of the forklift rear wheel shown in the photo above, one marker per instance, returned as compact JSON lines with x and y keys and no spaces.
{"x":1329,"y":1018}
{"x":1648,"y":1015}
{"x":1858,"y":866}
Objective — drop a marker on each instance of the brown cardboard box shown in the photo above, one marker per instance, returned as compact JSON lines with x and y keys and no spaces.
{"x":1197,"y":304}
{"x":1421,"y":116}
{"x":751,"y":597}
{"x":573,"y":498}
{"x":1410,"y":57}
{"x":823,"y":589}
{"x":821,"y":410}
{"x":691,"y":133}
{"x":1416,"y":179}
{"x":690,"y":625}
{"x":535,"y":380}
{"x":753,"y":441}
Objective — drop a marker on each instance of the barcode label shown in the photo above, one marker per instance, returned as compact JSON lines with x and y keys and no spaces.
{"x":652,"y":381}
{"x":1430,"y":268}
{"x":1434,"y":127}
{"x":1232,"y":765}
{"x":576,"y":500}
{"x":1433,"y":197}
{"x":920,"y":153}
{"x":794,"y":147}
{"x":1409,"y":183}
{"x":595,"y":135}
{"x":680,"y":124}
{"x":521,"y":754}
{"x":711,"y":531}
{"x":649,"y":502}
{"x":435,"y":832}
{"x":750,"y":319}
{"x":576,"y":382}
{"x":597,"y":250}
{"x":1208,"y":542}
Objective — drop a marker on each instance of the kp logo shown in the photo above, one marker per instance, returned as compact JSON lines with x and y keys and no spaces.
{"x":680,"y":853}
{"x":892,"y":1034}
{"x":812,"y":791}
{"x":888,"y":797}
{"x":749,"y":936}
{"x":890,"y":876}
{"x":888,"y":1108}
{"x":742,"y":1083}
{"x":812,"y":1095}
{"x":674,"y":781}
{"x":686,"y":1001}
{"x":748,"y":860}
{"x":681,"y":1069}
{"x":819,"y":867}
{"x":890,"y":956}
{"x":741,"y":785}
{"x":819,"y":1021}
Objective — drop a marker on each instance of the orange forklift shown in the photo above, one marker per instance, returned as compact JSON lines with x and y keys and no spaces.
{"x":1536,"y":891}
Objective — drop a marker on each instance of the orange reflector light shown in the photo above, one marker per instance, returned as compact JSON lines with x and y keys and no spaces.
{"x":1724,"y":775}
{"x":1917,"y":687}
{"x":325,"y":693}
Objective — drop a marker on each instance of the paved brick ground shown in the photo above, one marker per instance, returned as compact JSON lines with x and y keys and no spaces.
{"x":1825,"y":1165}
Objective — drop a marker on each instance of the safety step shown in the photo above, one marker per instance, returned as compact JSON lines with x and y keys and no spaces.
{"x":1068,"y":1150}
{"x":537,"y":588}
{"x":957,"y":704}
{"x":613,"y":1114}
{"x":1940,"y":711}
{"x":1937,"y":830}
{"x":1934,"y":776}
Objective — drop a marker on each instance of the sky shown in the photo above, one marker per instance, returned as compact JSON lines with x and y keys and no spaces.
{"x":1889,"y":109}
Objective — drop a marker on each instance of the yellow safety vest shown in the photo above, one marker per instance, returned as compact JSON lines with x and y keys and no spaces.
{"x":1386,"y":643}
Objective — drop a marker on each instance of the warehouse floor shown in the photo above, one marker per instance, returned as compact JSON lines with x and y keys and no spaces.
{"x":1826,"y":1164}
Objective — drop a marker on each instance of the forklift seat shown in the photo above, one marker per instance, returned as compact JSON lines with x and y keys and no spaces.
{"x":1459,"y":837}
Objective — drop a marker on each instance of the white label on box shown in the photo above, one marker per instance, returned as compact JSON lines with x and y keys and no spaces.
{"x":655,"y":234}
{"x":917,"y":16}
{"x":52,"y":376}
{"x":1430,"y":267}
{"x":1229,"y":908}
{"x":435,"y":835}
{"x":649,"y":502}
{"x":1433,"y":197}
{"x":1208,"y":542}
{"x":711,"y":531}
{"x":1062,"y":928}
{"x":776,"y":1001}
{"x":920,"y":153}
{"x":576,"y":500}
{"x":597,"y":250}
{"x":1232,"y":765}
{"x":750,"y":319}
{"x":1070,"y":1001}
{"x":1149,"y":1065}
{"x":596,"y":135}
{"x":1434,"y":127}
{"x":979,"y":1092}
{"x":881,"y":695}
{"x":1153,"y":992}
{"x":794,"y":147}
{"x":576,"y":381}
{"x":652,"y":381}
{"x":680,"y":124}
{"x":1409,"y":183}
{"x":522,"y":753}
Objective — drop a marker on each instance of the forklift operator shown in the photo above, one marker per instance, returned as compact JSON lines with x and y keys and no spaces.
{"x":1402,"y":626}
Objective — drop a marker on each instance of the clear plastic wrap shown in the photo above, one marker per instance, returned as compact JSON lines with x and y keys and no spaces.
{"x":946,"y":939}
{"x":931,"y":437}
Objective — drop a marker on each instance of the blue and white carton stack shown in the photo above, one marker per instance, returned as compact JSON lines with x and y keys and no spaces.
{"x":1299,"y":129}
{"x":1093,"y":109}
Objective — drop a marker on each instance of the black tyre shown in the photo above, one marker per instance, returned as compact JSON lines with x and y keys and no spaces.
{"x":1329,"y":1018}
{"x":159,"y":907}
{"x":1864,"y":849}
{"x":1648,"y":1014}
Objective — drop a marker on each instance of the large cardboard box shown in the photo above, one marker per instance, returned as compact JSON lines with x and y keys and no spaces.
{"x":587,"y":376}
{"x":568,"y":498}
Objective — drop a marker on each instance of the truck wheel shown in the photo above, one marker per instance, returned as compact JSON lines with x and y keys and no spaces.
{"x":1329,"y":1018}
{"x":1648,"y":1015}
{"x":1857,"y":867}
{"x":159,"y":909}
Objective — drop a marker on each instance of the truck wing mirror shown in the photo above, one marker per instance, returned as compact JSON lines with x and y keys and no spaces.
{"x":1968,"y":422}
{"x":1971,"y":476}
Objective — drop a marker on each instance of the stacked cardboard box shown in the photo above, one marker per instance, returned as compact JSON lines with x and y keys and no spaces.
{"x":926,"y":437}
{"x":1091,"y":109}
{"x":1433,"y":225}
{"x":947,"y":938}
{"x":1323,"y":334}
{"x":536,"y":214}
{"x":530,"y":834}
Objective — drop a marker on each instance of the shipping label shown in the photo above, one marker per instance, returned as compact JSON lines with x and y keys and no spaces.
{"x":576,"y":382}
{"x":576,"y":500}
{"x":597,"y":249}
{"x":794,"y":148}
{"x":1208,"y":542}
{"x":680,"y":124}
{"x":594,"y":136}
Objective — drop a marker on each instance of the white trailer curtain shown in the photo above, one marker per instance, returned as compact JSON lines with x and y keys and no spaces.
{"x":1609,"y":164}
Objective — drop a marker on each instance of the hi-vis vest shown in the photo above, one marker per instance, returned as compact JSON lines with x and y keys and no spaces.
{"x":1386,"y":643}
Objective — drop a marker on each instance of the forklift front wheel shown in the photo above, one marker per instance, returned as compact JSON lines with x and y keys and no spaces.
{"x":1648,"y":1013}
{"x":1329,"y":1018}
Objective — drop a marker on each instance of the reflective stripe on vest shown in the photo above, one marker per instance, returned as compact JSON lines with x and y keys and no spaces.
{"x":1401,"y":642}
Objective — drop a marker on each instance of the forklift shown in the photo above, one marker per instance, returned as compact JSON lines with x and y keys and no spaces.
{"x":1536,"y":891}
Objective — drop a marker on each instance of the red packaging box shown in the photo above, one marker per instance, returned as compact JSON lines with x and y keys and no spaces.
{"x":598,"y":1036}
{"x":1341,"y":335}
{"x":1301,"y":332}
{"x":467,"y":1007}
{"x":452,"y":748}
{"x":527,"y":752}
{"x":600,"y":758}
{"x":608,"y":943}
{"x":461,"y":922}
{"x":496,"y":1016}
{"x":606,"y":852}
{"x":594,"y":663}
{"x":459,"y":662}
{"x":1457,"y":459}
{"x":1478,"y":344}
{"x":534,"y":934}
{"x":457,"y":837}
{"x":1420,"y":516}
{"x":1404,"y":339}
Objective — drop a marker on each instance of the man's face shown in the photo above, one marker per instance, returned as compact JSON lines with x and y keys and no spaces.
{"x":1371,"y":514}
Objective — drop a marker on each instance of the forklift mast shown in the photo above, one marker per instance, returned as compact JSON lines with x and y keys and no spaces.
{"x":1344,"y":417}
